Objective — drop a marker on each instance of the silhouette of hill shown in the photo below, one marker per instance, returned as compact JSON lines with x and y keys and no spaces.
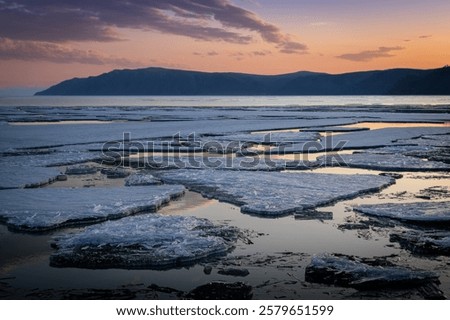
{"x":160,"y":81}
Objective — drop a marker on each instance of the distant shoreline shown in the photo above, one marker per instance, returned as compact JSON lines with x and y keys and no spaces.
{"x":161,"y":82}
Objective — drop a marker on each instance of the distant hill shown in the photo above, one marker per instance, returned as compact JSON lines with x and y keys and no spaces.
{"x":160,"y":81}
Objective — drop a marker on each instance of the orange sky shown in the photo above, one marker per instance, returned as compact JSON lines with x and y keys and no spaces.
{"x":43,"y":44}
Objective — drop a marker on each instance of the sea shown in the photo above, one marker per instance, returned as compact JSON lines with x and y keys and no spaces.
{"x":222,"y":101}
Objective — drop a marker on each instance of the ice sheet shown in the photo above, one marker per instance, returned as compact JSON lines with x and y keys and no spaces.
{"x":144,"y":242}
{"x":19,"y":175}
{"x":363,"y":139}
{"x":387,"y":162}
{"x":50,"y":208}
{"x":416,"y":212}
{"x":276,"y":193}
{"x":141,"y":179}
{"x":199,"y":161}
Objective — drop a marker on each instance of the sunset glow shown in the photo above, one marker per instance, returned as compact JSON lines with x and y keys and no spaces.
{"x":44,"y":42}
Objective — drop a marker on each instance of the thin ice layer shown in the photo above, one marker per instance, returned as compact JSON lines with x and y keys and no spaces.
{"x":245,"y":163}
{"x":16,"y":174}
{"x":362,"y":140}
{"x":276,"y":193}
{"x":271,"y":138}
{"x":37,"y":210}
{"x":144,"y":242}
{"x":349,"y":272}
{"x":387,"y":162}
{"x":416,"y":212}
{"x":141,"y":179}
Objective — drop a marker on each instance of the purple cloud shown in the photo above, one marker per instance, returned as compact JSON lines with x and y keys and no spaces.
{"x":100,"y":20}
{"x":46,"y":51}
{"x":364,"y":56}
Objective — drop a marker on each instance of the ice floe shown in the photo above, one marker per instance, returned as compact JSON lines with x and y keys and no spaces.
{"x":276,"y":193}
{"x":81,"y":170}
{"x":44,"y":209}
{"x":144,"y":242}
{"x":17,"y":175}
{"x":362,"y":140}
{"x":141,"y":179}
{"x":437,"y":213}
{"x":350,"y":271}
{"x":272,"y":138}
{"x":423,"y":242}
{"x":200,"y":161}
{"x":387,"y":162}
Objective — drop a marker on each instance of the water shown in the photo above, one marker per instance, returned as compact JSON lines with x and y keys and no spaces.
{"x":223,"y":101}
{"x":24,"y":258}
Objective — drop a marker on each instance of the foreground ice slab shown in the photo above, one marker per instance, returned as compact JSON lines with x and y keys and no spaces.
{"x":350,"y":272}
{"x":276,"y":193}
{"x":15,"y":174}
{"x":35,"y":210}
{"x":144,"y":242}
{"x":387,"y":162}
{"x":417,"y":212}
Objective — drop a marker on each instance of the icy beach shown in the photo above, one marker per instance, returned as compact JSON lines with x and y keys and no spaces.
{"x":206,"y":197}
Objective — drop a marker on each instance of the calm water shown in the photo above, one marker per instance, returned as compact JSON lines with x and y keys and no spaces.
{"x":223,"y":101}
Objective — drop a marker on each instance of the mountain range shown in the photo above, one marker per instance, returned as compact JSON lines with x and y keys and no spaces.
{"x":160,"y":81}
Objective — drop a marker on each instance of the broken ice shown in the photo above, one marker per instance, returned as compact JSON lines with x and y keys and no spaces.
{"x":423,"y":242}
{"x":417,"y":212}
{"x":144,"y":242}
{"x":17,"y":174}
{"x":50,"y":208}
{"x":349,"y":272}
{"x":387,"y":162}
{"x":265,"y":193}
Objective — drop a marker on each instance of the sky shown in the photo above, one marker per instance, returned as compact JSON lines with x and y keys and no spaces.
{"x":43,"y":42}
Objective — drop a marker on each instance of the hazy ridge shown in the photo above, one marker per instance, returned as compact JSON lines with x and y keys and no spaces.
{"x":160,"y":81}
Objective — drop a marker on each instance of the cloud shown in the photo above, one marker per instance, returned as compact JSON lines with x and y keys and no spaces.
{"x":364,"y":56}
{"x":292,"y":47}
{"x":261,"y":53}
{"x":101,"y":20}
{"x":425,"y":36}
{"x":57,"y":53}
